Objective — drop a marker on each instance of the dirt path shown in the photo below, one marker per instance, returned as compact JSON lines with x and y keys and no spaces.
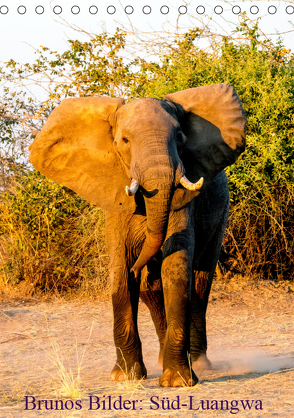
{"x":250,"y":331}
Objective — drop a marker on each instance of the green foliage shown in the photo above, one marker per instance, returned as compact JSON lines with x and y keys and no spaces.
{"x":88,"y":68}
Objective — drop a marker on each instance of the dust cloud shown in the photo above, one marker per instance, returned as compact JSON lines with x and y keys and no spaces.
{"x":236,"y":362}
{"x":243,"y":361}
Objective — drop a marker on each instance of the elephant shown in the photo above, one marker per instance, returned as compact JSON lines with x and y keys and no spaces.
{"x":157,"y":169}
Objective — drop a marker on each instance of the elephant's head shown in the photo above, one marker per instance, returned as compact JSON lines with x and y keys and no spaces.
{"x":98,"y":146}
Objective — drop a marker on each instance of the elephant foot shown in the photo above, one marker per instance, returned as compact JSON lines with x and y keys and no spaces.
{"x":202,"y":363}
{"x":122,"y":371}
{"x":178,"y":378}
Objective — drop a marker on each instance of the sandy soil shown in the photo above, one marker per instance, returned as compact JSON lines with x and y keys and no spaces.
{"x":250,"y":331}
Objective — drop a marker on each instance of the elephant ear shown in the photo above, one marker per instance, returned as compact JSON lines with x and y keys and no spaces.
{"x":214,"y":125}
{"x":75,"y":149}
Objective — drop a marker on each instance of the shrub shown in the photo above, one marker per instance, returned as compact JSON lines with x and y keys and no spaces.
{"x":47,"y":236}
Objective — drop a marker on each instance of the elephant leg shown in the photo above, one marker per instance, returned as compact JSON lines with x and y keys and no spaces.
{"x":151,"y":294}
{"x":176,"y":275}
{"x":125,"y":298}
{"x":211,"y":215}
{"x":125,"y":291}
{"x":198,"y":335}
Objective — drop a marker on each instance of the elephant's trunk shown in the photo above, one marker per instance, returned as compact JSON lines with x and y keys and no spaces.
{"x":151,"y":246}
{"x":157,"y":211}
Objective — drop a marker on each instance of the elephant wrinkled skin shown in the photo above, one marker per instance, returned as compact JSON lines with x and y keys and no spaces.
{"x":164,"y":231}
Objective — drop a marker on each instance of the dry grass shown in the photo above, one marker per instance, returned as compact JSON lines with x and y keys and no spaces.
{"x":261,"y":234}
{"x":130,"y":383}
{"x":69,"y":383}
{"x":50,"y":240}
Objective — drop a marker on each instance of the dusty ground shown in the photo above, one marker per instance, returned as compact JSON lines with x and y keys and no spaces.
{"x":250,"y":332}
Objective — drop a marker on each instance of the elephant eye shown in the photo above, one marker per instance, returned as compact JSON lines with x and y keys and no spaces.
{"x":126,"y":141}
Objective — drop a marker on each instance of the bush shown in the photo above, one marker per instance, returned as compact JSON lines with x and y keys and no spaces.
{"x":47,"y":237}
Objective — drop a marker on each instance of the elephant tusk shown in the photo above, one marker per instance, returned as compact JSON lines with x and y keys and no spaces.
{"x":132,"y":190}
{"x":191,"y":186}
